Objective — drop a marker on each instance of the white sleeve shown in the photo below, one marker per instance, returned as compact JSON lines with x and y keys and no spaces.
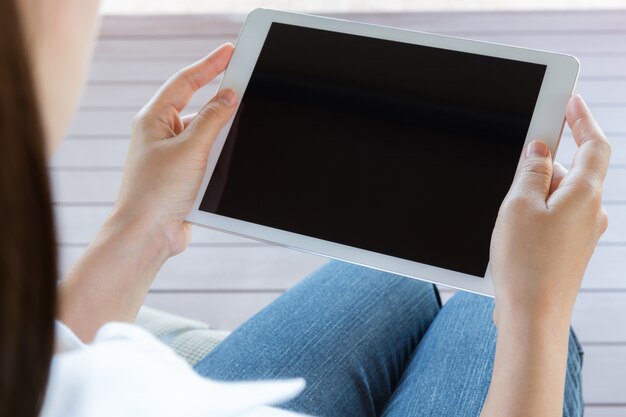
{"x":127,"y":372}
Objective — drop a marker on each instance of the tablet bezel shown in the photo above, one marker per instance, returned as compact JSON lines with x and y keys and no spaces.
{"x":546,"y":124}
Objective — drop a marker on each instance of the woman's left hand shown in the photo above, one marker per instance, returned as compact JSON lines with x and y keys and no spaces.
{"x":168,"y":153}
{"x":164,"y":168}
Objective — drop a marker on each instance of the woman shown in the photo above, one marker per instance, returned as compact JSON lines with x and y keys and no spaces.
{"x":367,"y":343}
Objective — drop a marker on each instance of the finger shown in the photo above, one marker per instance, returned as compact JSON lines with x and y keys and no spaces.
{"x":206,"y":125}
{"x":186,"y":119}
{"x":594,"y":150}
{"x":177,"y":91}
{"x":534,"y":173}
{"x":558,"y":172}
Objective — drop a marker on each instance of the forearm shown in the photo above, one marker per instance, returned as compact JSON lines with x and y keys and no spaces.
{"x":529,"y":370}
{"x":112,"y":278}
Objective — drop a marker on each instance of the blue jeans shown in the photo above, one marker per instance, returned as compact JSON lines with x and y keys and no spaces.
{"x":370,"y":343}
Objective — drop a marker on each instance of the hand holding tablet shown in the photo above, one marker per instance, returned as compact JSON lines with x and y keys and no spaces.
{"x":383,"y":147}
{"x":550,"y":223}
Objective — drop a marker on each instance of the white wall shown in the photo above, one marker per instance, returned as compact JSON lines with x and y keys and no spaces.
{"x":244,"y":6}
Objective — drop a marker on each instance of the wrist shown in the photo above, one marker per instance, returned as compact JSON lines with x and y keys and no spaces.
{"x":113,"y":276}
{"x":532,"y":319}
{"x":542,"y":305}
{"x":145,"y":236}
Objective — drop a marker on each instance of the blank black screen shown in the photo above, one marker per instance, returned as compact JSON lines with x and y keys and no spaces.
{"x":396,"y":148}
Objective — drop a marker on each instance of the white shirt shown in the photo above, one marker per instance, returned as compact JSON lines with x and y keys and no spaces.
{"x":125,"y":371}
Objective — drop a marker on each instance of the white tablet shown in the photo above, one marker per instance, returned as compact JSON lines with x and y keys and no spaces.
{"x":383,"y":147}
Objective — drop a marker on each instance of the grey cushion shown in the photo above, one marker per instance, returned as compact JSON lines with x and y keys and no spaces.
{"x":191,"y":339}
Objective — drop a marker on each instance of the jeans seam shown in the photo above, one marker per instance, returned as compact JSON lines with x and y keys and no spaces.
{"x":579,"y":347}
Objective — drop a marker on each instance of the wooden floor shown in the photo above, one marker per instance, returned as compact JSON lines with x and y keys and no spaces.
{"x":224,"y":279}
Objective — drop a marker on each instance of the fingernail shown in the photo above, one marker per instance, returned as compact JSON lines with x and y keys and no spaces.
{"x":227,"y":97}
{"x":537,"y":148}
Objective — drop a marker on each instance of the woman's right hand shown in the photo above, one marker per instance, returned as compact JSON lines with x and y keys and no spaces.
{"x":549,"y":224}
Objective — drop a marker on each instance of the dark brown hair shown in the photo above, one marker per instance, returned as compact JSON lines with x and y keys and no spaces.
{"x":27,"y":243}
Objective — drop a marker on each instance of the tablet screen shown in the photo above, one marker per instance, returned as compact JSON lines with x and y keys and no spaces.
{"x":395,"y":148}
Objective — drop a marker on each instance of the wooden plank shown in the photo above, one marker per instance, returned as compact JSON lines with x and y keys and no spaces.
{"x":572,"y":43}
{"x":221,"y":310}
{"x":604,"y":368}
{"x":225,"y":268}
{"x":502,"y":21}
{"x":171,"y":25}
{"x":117,"y":122}
{"x":241,"y":266}
{"x":610,"y":118}
{"x":193,"y":48}
{"x":90,"y":154}
{"x":602,"y":91}
{"x":616,"y":231}
{"x":606,"y":269}
{"x":135,"y":72}
{"x":135,"y":96}
{"x":596,"y":315}
{"x":603,"y":66}
{"x":604,"y":411}
{"x":615,"y":185}
{"x":85,"y":186}
{"x":567,"y":149}
{"x":101,"y":123}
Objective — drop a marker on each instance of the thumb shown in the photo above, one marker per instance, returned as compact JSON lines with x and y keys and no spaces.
{"x":206,"y":125}
{"x":534,"y":174}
